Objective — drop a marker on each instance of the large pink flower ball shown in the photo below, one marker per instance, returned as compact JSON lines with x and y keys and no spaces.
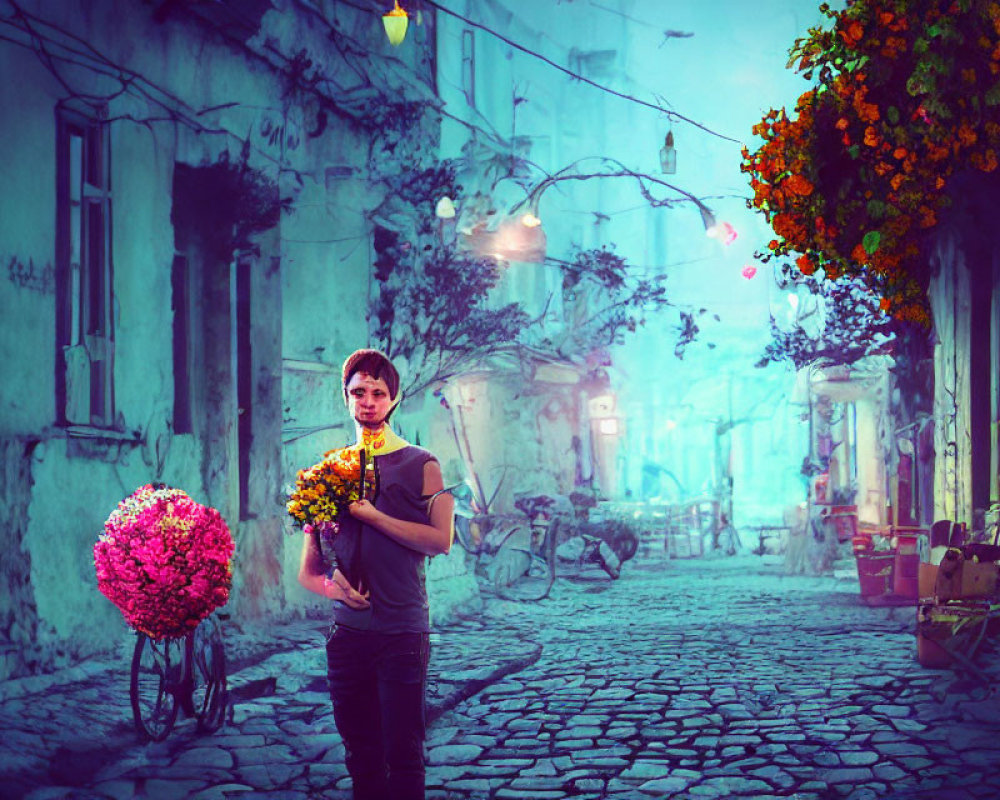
{"x":165,"y":561}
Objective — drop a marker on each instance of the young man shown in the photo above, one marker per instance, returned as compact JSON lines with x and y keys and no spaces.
{"x":378,"y":652}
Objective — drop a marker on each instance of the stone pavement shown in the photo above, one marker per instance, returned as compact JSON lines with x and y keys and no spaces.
{"x":70,"y":734}
{"x":721,"y":679}
{"x":689,"y":679}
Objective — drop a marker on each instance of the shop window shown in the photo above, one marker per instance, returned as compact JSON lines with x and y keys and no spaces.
{"x":85,"y":335}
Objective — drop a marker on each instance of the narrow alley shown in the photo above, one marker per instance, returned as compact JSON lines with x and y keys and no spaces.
{"x":637,"y":360}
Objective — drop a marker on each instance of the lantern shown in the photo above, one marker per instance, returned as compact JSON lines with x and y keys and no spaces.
{"x":395,"y":23}
{"x":668,"y":155}
{"x":608,"y":426}
{"x":520,"y":241}
{"x":512,"y":240}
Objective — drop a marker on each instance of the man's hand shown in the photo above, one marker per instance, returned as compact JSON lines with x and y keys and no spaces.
{"x":339,"y":588}
{"x":364,"y":510}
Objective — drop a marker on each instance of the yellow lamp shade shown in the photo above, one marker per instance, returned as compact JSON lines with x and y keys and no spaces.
{"x":396,"y":23}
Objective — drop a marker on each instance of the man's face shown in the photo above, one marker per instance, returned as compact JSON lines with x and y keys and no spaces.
{"x":368,"y":399}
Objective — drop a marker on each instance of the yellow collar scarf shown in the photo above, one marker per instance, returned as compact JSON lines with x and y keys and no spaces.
{"x":381,"y":441}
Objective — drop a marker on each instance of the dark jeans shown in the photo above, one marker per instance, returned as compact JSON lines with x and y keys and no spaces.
{"x":377,"y":683}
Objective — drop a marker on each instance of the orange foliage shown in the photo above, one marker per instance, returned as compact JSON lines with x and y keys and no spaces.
{"x":866,"y":156}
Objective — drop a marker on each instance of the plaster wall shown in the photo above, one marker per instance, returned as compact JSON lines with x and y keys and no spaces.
{"x":309,"y":281}
{"x":75,"y":482}
{"x":517,"y":436}
{"x":27,"y":279}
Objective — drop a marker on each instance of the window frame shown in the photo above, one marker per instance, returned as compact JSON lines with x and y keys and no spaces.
{"x":85,"y":325}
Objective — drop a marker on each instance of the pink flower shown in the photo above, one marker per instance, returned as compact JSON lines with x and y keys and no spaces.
{"x":164,"y":561}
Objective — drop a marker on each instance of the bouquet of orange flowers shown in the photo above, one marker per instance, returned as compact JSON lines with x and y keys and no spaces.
{"x":325,"y":490}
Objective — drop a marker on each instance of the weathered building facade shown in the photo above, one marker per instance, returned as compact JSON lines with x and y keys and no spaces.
{"x":187,"y":260}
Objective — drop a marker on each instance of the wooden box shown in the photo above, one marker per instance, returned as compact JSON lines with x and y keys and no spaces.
{"x":967,"y":579}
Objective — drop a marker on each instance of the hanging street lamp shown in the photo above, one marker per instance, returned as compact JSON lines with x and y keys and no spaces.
{"x":395,"y":23}
{"x":668,"y":155}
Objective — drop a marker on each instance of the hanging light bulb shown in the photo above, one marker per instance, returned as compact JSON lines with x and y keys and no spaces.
{"x":714,"y":229}
{"x":722,"y":231}
{"x":445,"y":208}
{"x":668,"y":155}
{"x":395,"y":23}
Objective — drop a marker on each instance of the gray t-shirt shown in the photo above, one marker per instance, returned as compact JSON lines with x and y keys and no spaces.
{"x":391,"y":572}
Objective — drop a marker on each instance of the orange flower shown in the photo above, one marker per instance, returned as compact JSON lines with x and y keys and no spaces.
{"x":985,"y":162}
{"x":799,"y":185}
{"x":868,"y":112}
{"x":966,"y":135}
{"x":852,"y":34}
{"x":884,"y":304}
{"x":805,"y":265}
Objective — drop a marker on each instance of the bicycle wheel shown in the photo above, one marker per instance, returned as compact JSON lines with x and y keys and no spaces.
{"x":155,"y":665}
{"x":625,"y":544}
{"x":533,"y":574}
{"x":208,"y":673}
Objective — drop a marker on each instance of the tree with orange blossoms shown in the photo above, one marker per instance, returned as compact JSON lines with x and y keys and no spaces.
{"x":906,"y":95}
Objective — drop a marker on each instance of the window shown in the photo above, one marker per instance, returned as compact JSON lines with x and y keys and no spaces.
{"x":85,"y":335}
{"x":469,"y":67}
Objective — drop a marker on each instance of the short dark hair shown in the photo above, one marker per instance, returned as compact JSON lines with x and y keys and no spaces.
{"x":374,"y":363}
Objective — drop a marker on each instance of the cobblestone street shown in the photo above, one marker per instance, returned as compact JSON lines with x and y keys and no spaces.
{"x":691,"y":679}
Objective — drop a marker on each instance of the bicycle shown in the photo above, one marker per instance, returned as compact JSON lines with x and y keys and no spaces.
{"x":170,"y":674}
{"x":526,"y":558}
